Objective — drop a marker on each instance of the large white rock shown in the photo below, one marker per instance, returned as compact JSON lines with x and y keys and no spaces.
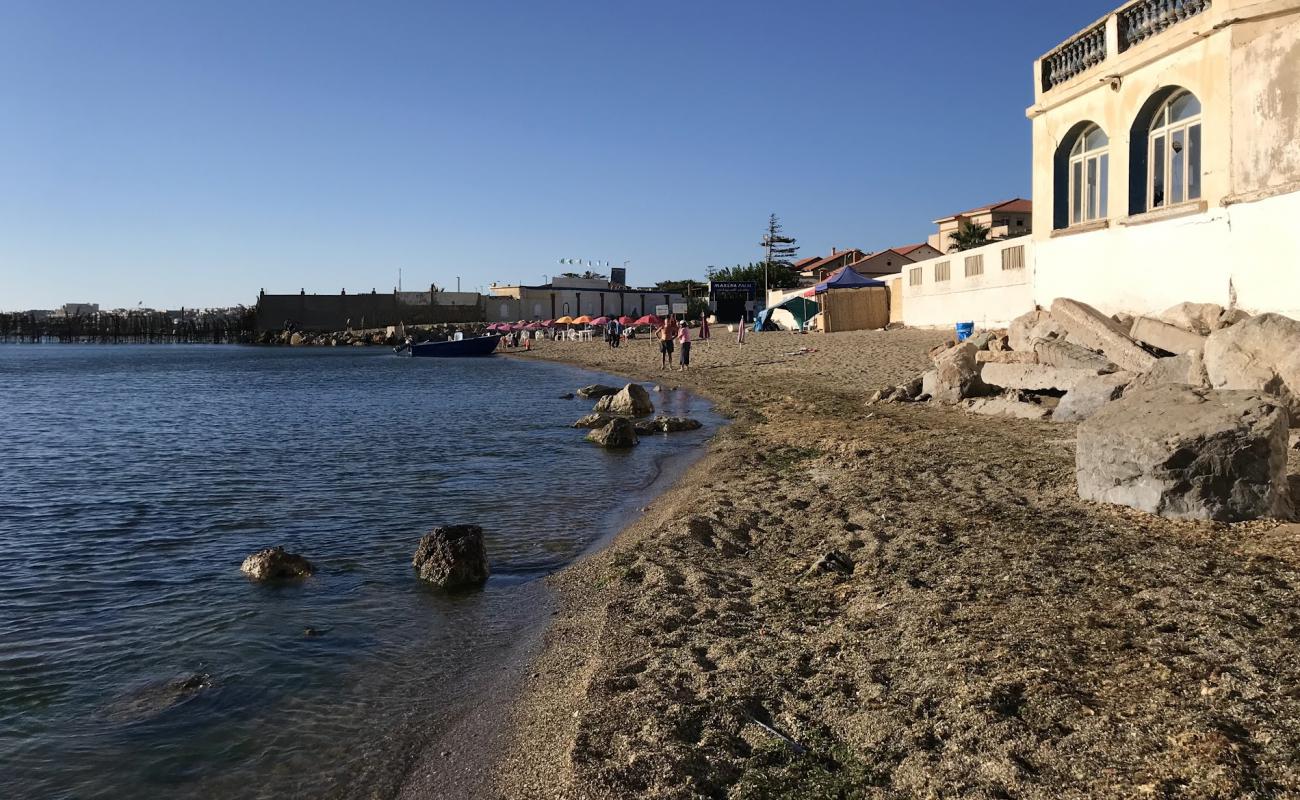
{"x":1184,"y":452}
{"x":1003,"y":406}
{"x":1261,"y":353}
{"x":1033,"y":377}
{"x":1089,"y":327}
{"x":955,"y":375}
{"x":1036,"y":324}
{"x":1090,"y":394}
{"x":1202,"y":318}
{"x":1167,"y":337}
{"x":1188,"y":368}
{"x":1060,"y":353}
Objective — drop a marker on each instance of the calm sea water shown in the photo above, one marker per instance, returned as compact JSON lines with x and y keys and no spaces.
{"x":136,"y":660}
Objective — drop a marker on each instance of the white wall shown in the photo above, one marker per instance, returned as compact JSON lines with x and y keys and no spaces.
{"x":1252,"y":248}
{"x":990,"y":300}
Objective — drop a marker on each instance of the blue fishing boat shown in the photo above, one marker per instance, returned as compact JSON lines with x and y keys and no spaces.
{"x":453,"y":348}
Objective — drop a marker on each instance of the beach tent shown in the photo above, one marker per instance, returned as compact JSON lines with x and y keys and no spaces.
{"x":851,"y":301}
{"x":849,"y":278}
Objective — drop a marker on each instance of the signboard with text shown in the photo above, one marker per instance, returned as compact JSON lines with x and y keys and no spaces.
{"x":679,"y":308}
{"x":661,"y":311}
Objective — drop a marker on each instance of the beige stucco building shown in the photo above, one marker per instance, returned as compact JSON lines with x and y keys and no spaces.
{"x":1166,"y":168}
{"x":1005,"y":220}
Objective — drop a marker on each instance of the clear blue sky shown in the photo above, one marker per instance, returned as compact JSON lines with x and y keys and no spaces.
{"x":190,"y":153}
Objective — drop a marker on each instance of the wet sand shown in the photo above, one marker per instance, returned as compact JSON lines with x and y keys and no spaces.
{"x":996,"y":637}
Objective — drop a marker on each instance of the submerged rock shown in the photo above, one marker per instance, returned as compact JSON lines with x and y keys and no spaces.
{"x":452,"y":557}
{"x":596,"y":390}
{"x":595,"y":419}
{"x":646,"y":427}
{"x":274,"y":563}
{"x":618,"y":434}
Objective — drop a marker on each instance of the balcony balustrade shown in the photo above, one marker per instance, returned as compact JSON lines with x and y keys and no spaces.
{"x":1141,"y":21}
{"x":1135,"y":23}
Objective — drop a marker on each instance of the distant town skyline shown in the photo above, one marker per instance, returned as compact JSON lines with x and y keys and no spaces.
{"x":191,"y":154}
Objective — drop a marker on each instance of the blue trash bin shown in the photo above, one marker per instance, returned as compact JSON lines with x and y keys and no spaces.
{"x":964,"y":330}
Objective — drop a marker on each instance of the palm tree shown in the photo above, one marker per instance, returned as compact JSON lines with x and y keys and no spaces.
{"x":970,"y":235}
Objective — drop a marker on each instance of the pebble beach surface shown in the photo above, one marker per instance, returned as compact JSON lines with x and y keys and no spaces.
{"x":895,"y":600}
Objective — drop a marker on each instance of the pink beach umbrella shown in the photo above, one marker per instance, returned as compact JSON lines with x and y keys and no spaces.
{"x":600,"y":321}
{"x":533,"y":326}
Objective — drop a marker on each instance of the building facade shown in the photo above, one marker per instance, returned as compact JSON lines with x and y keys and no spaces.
{"x":1005,"y":220}
{"x":573,"y":297}
{"x":1166,"y":168}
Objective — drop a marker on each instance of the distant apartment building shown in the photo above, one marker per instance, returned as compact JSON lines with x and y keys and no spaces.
{"x":889,"y":262}
{"x":1005,"y":220}
{"x":1166,"y":168}
{"x":813,"y":270}
{"x":573,"y":297}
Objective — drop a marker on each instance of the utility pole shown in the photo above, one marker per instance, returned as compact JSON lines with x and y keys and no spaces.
{"x":457,"y":284}
{"x":399,"y":279}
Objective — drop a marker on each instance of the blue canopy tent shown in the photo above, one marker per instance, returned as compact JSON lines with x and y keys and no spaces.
{"x":849,"y":278}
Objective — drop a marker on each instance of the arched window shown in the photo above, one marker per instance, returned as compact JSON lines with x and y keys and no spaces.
{"x":1089,"y":176}
{"x":1174,"y":152}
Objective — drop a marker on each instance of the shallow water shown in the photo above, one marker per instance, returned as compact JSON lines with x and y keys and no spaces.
{"x":133,"y":482}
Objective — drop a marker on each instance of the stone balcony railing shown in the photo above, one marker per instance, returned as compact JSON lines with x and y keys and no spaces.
{"x":1130,"y":26}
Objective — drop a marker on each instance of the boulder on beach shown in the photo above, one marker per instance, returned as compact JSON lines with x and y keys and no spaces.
{"x":1090,"y":394}
{"x":597,"y":390}
{"x":452,"y":557}
{"x":1186,"y":452}
{"x":955,"y":375}
{"x":633,"y":401}
{"x":274,"y":563}
{"x":619,"y":434}
{"x":1261,"y":353}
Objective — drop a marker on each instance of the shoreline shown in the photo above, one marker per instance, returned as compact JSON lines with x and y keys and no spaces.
{"x":995,"y":635}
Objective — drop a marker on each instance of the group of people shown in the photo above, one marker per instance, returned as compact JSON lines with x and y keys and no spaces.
{"x":673,"y":334}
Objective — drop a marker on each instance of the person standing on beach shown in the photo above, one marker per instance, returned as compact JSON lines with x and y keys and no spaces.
{"x":740,"y":335}
{"x":684,"y":339}
{"x":704,"y":326}
{"x":667,"y":334}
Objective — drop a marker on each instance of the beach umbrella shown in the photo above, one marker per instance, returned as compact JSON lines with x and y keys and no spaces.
{"x":496,"y":326}
{"x":533,"y":326}
{"x":518,"y":326}
{"x":648,"y":319}
{"x":626,"y":320}
{"x":600,"y":321}
{"x":583,"y":320}
{"x":550,"y":323}
{"x":564,"y":320}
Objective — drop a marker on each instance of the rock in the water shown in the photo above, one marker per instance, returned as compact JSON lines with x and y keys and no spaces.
{"x":955,"y":375}
{"x":1036,"y":324}
{"x":1090,"y":394}
{"x":618,"y":434}
{"x":666,"y":425}
{"x":1184,"y":452}
{"x":1261,"y":353}
{"x":596,"y":419}
{"x":567,"y":396}
{"x":597,"y":390}
{"x":632,"y":401}
{"x":1060,"y":353}
{"x":1167,"y":337}
{"x":1188,"y":368}
{"x":296,"y":339}
{"x":1033,"y":377}
{"x":1089,"y":327}
{"x":275,"y":564}
{"x":452,"y":557}
{"x":1003,"y":406}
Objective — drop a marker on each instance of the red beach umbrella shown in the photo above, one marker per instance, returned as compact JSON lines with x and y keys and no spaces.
{"x":626,"y":320}
{"x":600,"y":321}
{"x":550,"y":323}
{"x":533,"y":326}
{"x":648,"y":319}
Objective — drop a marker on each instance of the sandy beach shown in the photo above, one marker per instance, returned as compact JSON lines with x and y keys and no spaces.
{"x":986,"y":633}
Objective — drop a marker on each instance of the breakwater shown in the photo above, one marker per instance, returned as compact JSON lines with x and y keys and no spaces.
{"x":130,"y":327}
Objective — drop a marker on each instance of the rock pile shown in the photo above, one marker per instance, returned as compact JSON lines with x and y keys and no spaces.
{"x":1184,"y":414}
